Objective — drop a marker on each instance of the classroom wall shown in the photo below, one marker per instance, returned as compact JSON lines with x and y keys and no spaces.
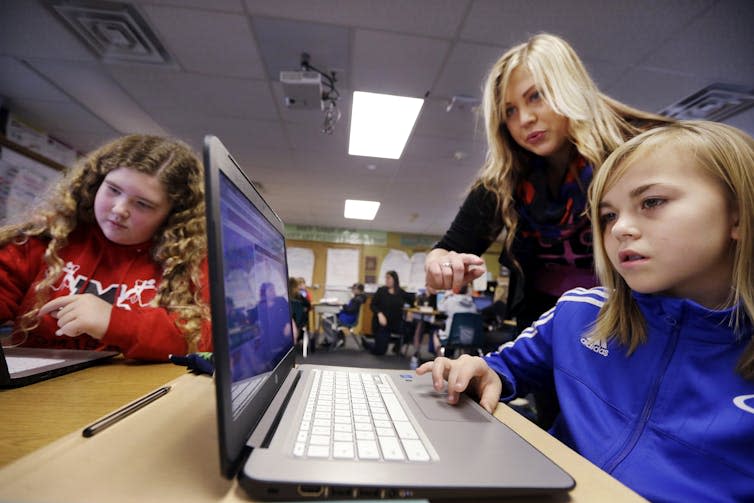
{"x":408,"y":243}
{"x":395,"y":241}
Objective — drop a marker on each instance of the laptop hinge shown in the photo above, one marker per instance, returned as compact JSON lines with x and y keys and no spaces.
{"x":266,"y":427}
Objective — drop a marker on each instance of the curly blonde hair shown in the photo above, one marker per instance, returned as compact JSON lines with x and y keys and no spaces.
{"x":597,"y":124}
{"x":726,"y":154}
{"x":179,"y":245}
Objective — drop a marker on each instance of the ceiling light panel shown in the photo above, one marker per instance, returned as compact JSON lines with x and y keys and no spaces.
{"x":361,"y":210}
{"x":381,"y":124}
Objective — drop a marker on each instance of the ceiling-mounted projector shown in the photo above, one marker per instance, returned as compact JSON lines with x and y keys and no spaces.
{"x":302,"y":89}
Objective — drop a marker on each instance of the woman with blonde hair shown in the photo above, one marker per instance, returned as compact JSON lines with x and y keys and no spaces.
{"x":548,"y":129}
{"x":655,"y":369}
{"x":115,"y":257}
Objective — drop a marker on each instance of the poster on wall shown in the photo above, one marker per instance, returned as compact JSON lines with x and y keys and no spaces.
{"x":301,"y":263}
{"x":342,"y":272}
{"x":418,"y":278}
{"x":342,"y":267}
{"x":22,"y":182}
{"x":398,"y":261}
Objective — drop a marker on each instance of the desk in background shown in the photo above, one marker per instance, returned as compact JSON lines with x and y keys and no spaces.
{"x":327,"y":308}
{"x":322,"y":308}
{"x":168,"y":451}
{"x":427,"y":314}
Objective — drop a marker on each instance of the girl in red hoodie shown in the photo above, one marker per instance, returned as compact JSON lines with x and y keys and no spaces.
{"x":115,"y":257}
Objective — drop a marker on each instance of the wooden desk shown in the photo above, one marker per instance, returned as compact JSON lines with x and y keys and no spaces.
{"x":33,"y":416}
{"x":417,"y":313}
{"x":168,"y":451}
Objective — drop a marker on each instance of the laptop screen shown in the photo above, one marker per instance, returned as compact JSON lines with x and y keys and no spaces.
{"x":256,"y":296}
{"x":251,"y":321}
{"x":482,"y":302}
{"x":440,"y":297}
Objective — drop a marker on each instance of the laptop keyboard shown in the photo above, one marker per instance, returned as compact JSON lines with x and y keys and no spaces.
{"x":357,"y":415}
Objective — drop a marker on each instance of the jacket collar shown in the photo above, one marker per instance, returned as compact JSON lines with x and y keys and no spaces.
{"x":697,"y":321}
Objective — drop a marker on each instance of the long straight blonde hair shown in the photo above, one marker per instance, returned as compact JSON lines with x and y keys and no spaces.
{"x":597,"y":124}
{"x":726,"y":155}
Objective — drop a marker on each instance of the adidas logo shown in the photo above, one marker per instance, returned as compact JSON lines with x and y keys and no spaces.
{"x":599,"y":347}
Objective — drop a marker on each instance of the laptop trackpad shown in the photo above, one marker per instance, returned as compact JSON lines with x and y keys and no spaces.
{"x":435,"y":406}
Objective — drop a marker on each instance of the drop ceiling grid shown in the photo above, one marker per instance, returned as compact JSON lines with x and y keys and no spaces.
{"x":648,"y":54}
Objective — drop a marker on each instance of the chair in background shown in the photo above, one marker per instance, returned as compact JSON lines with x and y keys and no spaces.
{"x":346,"y":328}
{"x":397,"y":339}
{"x":498,"y":329}
{"x":335,"y":331}
{"x":466,"y":335}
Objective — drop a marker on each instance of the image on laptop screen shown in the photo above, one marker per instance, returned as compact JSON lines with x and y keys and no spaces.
{"x":256,"y":294}
{"x":440,"y":297}
{"x":482,"y":302}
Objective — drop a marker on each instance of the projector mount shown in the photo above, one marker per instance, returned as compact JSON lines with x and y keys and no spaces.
{"x":311,"y":88}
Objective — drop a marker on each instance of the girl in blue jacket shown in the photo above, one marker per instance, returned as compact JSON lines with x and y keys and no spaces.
{"x":654,"y":371}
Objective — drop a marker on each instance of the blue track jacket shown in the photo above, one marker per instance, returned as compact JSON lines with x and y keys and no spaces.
{"x":673,"y":421}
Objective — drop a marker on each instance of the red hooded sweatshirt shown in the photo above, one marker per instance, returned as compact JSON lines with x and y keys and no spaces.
{"x":123,"y":275}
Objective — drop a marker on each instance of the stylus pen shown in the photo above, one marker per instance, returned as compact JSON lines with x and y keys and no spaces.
{"x":124,"y":412}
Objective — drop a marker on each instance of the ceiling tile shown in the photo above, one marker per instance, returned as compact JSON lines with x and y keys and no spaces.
{"x":28,"y":30}
{"x":343,"y":166}
{"x":652,"y":89}
{"x":226,"y":81}
{"x":282,"y":42}
{"x":84,"y":141}
{"x":457,"y":123}
{"x":95,"y":90}
{"x":466,"y":70}
{"x":743,"y":121}
{"x":235,"y":133}
{"x":309,"y":138}
{"x":427,"y":148}
{"x":59,"y":116}
{"x":203,"y":94}
{"x":439,"y":18}
{"x":390,"y":63}
{"x":215,"y":5}
{"x":208,"y":42}
{"x":595,"y":29}
{"x":19,"y":81}
{"x":718,"y":46}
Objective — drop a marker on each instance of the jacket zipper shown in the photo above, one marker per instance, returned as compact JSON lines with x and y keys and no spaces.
{"x":648,"y":405}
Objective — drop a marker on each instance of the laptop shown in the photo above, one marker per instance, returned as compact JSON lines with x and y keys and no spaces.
{"x":439,"y":298}
{"x":22,"y":366}
{"x":300,"y":432}
{"x":482,"y":302}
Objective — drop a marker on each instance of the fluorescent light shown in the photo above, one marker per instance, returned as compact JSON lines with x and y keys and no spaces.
{"x":361,"y":210}
{"x":381,"y":124}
